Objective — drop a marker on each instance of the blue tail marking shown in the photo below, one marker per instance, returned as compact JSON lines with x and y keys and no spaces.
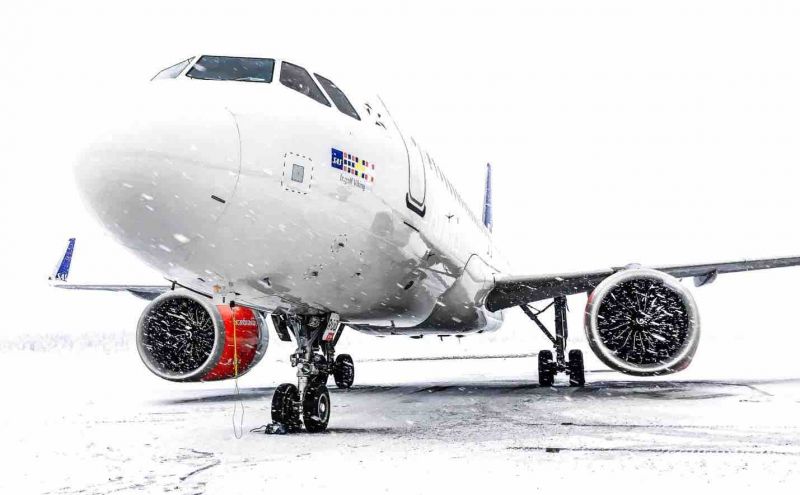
{"x":62,"y":269}
{"x":487,"y":199}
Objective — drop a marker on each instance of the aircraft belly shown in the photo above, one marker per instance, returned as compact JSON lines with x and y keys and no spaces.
{"x":459,"y":309}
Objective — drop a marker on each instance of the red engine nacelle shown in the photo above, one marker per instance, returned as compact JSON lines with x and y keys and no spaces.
{"x":184,"y":337}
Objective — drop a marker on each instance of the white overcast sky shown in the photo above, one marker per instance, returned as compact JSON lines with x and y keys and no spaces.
{"x":619,"y":131}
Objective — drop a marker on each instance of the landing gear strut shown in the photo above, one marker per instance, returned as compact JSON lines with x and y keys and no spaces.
{"x":548,"y":368}
{"x":309,"y":403}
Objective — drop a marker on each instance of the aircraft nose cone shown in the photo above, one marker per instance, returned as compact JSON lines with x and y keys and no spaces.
{"x":159,"y":176}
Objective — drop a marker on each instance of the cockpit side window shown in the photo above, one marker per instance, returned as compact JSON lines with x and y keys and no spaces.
{"x":214,"y":68}
{"x":172,"y":71}
{"x":298,"y":79}
{"x":338,"y":97}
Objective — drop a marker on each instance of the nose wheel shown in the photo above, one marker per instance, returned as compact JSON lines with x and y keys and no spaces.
{"x":309,"y":402}
{"x":572,"y":364}
{"x":316,"y":408}
{"x":285,"y":409}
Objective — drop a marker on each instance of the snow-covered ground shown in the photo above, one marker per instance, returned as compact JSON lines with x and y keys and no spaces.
{"x":83,"y":415}
{"x":686,"y":109}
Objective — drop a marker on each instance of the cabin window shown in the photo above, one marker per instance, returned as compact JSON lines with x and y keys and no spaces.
{"x":298,"y":79}
{"x":338,"y":97}
{"x":214,"y":68}
{"x":172,"y":71}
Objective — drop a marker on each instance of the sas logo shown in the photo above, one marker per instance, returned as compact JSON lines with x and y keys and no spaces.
{"x":355,"y":171}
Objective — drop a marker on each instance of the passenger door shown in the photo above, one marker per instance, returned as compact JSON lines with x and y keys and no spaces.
{"x":415,"y":198}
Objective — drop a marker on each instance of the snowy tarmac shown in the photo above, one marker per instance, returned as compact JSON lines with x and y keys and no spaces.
{"x":93,"y":422}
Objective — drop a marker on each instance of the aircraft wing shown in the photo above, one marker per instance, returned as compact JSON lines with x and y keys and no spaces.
{"x":148,"y":292}
{"x":59,"y":278}
{"x":516,"y":290}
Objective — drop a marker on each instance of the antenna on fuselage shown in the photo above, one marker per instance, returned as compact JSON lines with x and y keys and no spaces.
{"x":487,"y":199}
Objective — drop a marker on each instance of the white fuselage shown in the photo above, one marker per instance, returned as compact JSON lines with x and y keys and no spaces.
{"x":254,"y":189}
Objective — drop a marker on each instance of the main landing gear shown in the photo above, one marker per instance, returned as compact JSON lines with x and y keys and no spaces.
{"x":309,"y":403}
{"x":548,"y":368}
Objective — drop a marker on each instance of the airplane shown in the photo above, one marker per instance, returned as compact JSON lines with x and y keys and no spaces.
{"x":265,"y":193}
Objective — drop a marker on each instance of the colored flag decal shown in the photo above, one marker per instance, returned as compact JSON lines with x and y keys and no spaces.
{"x":362,"y":171}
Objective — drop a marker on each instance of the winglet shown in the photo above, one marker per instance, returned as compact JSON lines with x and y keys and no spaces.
{"x":61,"y":271}
{"x":487,"y":199}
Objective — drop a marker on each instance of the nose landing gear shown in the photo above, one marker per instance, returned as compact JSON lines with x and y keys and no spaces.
{"x":309,"y":403}
{"x":548,"y":368}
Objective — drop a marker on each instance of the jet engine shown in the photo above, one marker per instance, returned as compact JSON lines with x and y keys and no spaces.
{"x":184,"y":337}
{"x":642,"y":322}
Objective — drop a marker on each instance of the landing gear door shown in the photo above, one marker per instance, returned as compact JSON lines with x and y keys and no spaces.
{"x":415,"y":197}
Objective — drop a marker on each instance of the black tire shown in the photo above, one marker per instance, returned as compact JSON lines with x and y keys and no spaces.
{"x":344,"y":371}
{"x":320,"y":379}
{"x":577,"y":378}
{"x":547,"y":369}
{"x":284,"y":406}
{"x":316,"y":408}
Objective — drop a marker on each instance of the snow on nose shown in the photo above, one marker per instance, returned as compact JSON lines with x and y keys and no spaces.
{"x":160,"y":177}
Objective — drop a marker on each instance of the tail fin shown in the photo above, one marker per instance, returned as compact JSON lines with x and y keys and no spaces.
{"x":487,"y":199}
{"x":61,"y":271}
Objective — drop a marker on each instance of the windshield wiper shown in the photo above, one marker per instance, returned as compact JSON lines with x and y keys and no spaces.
{"x":251,"y":79}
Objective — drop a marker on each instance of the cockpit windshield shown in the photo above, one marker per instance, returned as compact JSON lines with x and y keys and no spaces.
{"x":216,"y":68}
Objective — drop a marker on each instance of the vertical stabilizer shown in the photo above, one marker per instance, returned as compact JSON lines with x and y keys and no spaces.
{"x":487,"y":199}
